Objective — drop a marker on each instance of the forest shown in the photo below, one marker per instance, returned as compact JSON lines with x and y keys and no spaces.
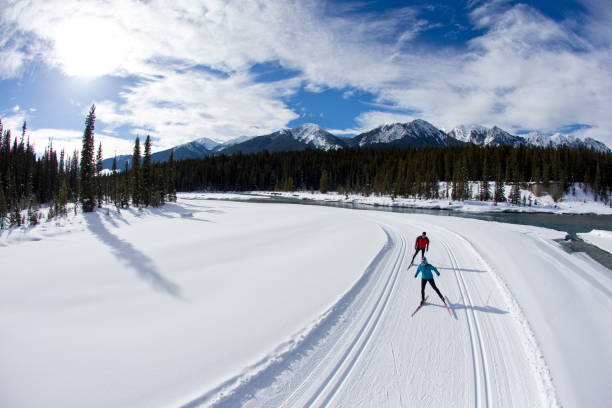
{"x":401,"y":172}
{"x":29,"y":180}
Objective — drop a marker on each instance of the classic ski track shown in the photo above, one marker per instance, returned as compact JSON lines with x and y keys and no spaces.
{"x":480,"y":366}
{"x":334,"y":381}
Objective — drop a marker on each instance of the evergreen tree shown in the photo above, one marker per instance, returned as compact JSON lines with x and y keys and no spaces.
{"x":3,"y":205}
{"x":597,"y":181}
{"x":171,"y":172}
{"x":87,"y":180}
{"x":499,"y":194}
{"x":99,"y":168}
{"x":288,"y":184}
{"x":147,"y":174}
{"x":324,"y":182}
{"x":33,"y":214}
{"x":136,"y":175}
{"x":125,"y":188}
{"x":15,"y":216}
{"x":115,"y":183}
{"x":515,"y":193}
{"x":485,"y":187}
{"x":63,"y":199}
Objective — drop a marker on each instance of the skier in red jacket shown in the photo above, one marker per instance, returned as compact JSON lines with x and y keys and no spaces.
{"x":421,"y":244}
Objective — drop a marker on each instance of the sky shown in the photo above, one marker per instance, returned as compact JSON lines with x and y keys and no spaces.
{"x":185,"y":69}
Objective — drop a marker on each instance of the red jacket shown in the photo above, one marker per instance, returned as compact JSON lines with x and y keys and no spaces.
{"x":421,"y":243}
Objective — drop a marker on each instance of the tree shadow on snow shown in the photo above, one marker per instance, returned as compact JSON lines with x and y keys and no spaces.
{"x":181,"y":212}
{"x":132,"y":257}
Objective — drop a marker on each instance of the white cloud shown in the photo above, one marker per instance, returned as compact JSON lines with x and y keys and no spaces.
{"x":15,"y":108}
{"x":71,"y":140}
{"x":525,"y":69}
{"x":371,"y":119}
{"x":182,"y":107}
{"x":157,"y":38}
{"x":66,"y":139}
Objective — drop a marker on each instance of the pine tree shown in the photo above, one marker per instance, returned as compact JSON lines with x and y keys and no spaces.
{"x":115,"y":183}
{"x":99,"y":168}
{"x":147,"y":174}
{"x":87,"y":179}
{"x":324,"y":182}
{"x":515,"y":193}
{"x":288,"y":184}
{"x":125,"y":188}
{"x":33,"y":214}
{"x":136,"y":175}
{"x":499,"y":195}
{"x":170,"y":188}
{"x":3,"y":205}
{"x":485,"y":187}
{"x":15,"y":216}
{"x":63,"y":199}
{"x":597,"y":181}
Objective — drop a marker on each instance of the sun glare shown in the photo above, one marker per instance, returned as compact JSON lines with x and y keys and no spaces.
{"x":89,"y":47}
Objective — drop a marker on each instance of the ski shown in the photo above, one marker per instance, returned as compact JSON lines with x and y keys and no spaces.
{"x":417,"y":309}
{"x":447,"y":308}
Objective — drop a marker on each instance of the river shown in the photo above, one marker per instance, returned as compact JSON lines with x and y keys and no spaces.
{"x":570,"y":223}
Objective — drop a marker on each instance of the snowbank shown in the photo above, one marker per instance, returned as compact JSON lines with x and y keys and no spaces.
{"x":602,"y":239}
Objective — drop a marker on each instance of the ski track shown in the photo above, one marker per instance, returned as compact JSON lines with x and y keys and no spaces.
{"x":481,"y":378}
{"x":314,"y":370}
{"x":343,"y":368}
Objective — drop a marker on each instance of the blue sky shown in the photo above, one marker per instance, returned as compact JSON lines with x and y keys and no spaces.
{"x":222,"y":69}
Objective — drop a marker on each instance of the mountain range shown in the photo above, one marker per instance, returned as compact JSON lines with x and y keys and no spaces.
{"x":415,"y":134}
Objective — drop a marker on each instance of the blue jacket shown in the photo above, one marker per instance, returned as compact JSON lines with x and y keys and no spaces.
{"x":426,"y":271}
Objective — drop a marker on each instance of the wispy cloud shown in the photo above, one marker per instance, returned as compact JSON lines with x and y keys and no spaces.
{"x":68,"y":140}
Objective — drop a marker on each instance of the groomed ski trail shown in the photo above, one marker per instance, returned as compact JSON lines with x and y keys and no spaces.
{"x":367,"y":351}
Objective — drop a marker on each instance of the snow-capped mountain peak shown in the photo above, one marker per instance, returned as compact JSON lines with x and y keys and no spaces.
{"x":469,"y":133}
{"x":208,"y":144}
{"x":483,"y":136}
{"x":313,"y":135}
{"x":560,"y":139}
{"x":398,"y":132}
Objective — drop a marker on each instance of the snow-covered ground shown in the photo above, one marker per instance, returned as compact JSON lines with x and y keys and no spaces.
{"x":600,"y":238}
{"x":220,"y":303}
{"x":577,"y":203}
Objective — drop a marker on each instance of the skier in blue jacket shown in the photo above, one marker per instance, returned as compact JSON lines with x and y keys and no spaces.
{"x":427,"y":277}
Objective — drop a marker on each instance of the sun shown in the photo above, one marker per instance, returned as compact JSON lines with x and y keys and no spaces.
{"x":90,"y":47}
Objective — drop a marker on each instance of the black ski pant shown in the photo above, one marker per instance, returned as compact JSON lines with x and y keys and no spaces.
{"x":433,"y":285}
{"x":416,"y":252}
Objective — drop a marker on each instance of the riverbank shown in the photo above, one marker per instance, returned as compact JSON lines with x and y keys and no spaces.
{"x":577,"y":203}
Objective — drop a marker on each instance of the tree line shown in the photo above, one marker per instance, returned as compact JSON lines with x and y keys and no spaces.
{"x":403,"y":172}
{"x":28,"y":180}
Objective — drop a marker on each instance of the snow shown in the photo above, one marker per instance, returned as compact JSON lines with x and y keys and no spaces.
{"x":600,"y":238}
{"x":147,"y":309}
{"x":223,"y":303}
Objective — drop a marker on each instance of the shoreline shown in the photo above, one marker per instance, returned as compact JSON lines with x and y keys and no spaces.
{"x":468,"y":206}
